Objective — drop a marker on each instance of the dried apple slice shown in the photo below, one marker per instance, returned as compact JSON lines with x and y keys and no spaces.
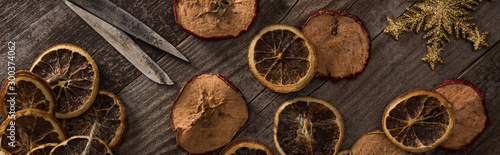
{"x":82,"y":145}
{"x":471,"y":117}
{"x":108,"y":112}
{"x":214,"y":19}
{"x":247,"y":146}
{"x":72,"y":74}
{"x":32,"y":128}
{"x":207,"y":113}
{"x":376,"y":142}
{"x":42,"y":149}
{"x":341,"y":42}
{"x":27,"y":90}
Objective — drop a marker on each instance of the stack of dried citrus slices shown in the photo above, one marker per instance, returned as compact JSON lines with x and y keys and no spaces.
{"x":62,"y":84}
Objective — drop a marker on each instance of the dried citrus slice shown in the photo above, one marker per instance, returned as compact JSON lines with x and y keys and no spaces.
{"x":27,"y":90}
{"x":307,"y":125}
{"x":108,"y":112}
{"x":213,"y":19}
{"x":341,"y":41}
{"x":344,"y":152}
{"x":376,"y":143}
{"x":32,"y":127}
{"x":42,"y":149}
{"x":4,"y":152}
{"x":247,"y":146}
{"x":207,"y":113}
{"x":72,"y":74}
{"x":471,"y":117}
{"x":281,"y":58}
{"x":418,"y":120}
{"x":82,"y":145}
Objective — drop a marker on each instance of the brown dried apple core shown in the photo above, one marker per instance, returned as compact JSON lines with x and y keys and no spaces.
{"x":33,"y":127}
{"x":72,"y":74}
{"x":376,"y":143}
{"x":341,"y":42}
{"x":469,"y":110}
{"x":215,"y":18}
{"x":207,"y":113}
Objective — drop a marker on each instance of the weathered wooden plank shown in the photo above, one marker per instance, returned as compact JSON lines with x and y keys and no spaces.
{"x":226,"y":56}
{"x":391,"y":74}
{"x":36,"y":26}
{"x":394,"y":66}
{"x":136,"y":90}
{"x":485,"y":74}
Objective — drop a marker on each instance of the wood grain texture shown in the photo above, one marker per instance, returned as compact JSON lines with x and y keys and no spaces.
{"x":394,"y":66}
{"x":36,"y":26}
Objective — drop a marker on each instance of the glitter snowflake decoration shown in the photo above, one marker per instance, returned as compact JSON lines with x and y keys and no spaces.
{"x":439,"y":18}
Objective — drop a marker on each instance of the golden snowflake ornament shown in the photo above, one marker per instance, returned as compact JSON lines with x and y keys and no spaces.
{"x":439,"y":18}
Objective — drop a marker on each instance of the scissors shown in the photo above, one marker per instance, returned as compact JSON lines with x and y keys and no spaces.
{"x":114,"y":20}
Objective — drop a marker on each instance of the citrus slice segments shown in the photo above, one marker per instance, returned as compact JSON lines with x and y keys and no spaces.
{"x":341,"y":42}
{"x":418,"y":120}
{"x":80,"y":145}
{"x":42,"y":149}
{"x":471,"y":116}
{"x":72,"y":74}
{"x":207,"y":113}
{"x":281,"y":58}
{"x":307,"y":125}
{"x":247,"y":146}
{"x":215,"y":19}
{"x":27,"y":91}
{"x":32,"y":128}
{"x":375,"y":143}
{"x":108,"y":112}
{"x":344,"y":152}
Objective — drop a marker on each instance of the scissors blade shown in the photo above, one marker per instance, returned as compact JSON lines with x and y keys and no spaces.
{"x":124,"y":44}
{"x":123,"y":20}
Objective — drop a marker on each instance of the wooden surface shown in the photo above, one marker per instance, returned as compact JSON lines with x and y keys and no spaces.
{"x":394,"y":66}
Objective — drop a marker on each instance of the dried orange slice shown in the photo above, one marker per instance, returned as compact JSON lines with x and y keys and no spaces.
{"x":82,"y":145}
{"x":281,"y":58}
{"x":214,"y":19}
{"x":375,"y":143}
{"x":418,"y":120}
{"x":27,"y":90}
{"x":108,"y":112}
{"x":471,"y":117}
{"x":42,"y":149}
{"x":32,"y":128}
{"x":308,"y":125}
{"x":247,"y":146}
{"x":344,"y":152}
{"x":341,"y":41}
{"x":72,"y":74}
